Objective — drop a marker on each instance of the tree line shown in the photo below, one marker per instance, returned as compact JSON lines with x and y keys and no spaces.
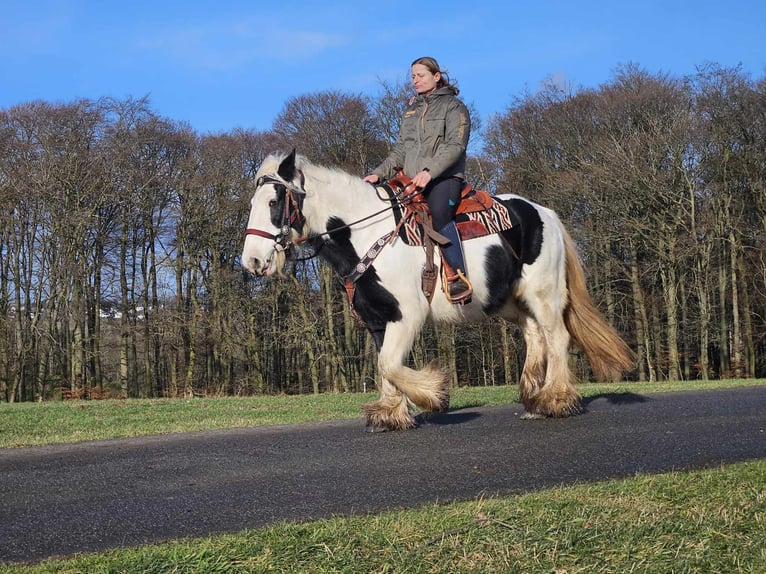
{"x":120,"y":233}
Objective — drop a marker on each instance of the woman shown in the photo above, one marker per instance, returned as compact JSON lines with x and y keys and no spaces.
{"x":431,"y":147}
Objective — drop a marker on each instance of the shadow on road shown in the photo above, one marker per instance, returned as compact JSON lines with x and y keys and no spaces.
{"x":459,"y":416}
{"x":448,"y":418}
{"x":616,"y":399}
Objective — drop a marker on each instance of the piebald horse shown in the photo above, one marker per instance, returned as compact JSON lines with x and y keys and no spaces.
{"x":530,"y":274}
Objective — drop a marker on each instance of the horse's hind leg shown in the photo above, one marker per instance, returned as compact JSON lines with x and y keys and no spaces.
{"x":533,"y":374}
{"x":552,"y":394}
{"x":558,"y":397}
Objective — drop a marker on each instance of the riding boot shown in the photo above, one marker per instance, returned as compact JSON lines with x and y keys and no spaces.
{"x":457,"y":286}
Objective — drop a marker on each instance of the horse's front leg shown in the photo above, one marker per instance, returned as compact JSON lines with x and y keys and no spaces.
{"x":390,"y":412}
{"x":427,"y":388}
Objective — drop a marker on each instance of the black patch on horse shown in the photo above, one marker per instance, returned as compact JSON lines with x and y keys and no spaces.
{"x":526,"y":235}
{"x":280,"y":214}
{"x":373,"y":303}
{"x":503,"y":270}
{"x":522,"y":245}
{"x":277,"y":210}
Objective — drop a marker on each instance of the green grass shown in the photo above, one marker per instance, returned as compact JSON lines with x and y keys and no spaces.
{"x":704,"y":521}
{"x":32,"y":424}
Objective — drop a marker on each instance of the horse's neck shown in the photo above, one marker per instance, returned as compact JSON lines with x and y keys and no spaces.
{"x":334,"y":194}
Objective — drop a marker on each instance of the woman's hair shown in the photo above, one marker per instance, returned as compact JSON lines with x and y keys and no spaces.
{"x":433,"y":67}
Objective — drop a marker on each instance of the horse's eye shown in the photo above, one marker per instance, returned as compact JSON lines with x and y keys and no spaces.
{"x":272,"y":203}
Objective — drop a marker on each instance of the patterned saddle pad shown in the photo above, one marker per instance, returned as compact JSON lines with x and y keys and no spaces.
{"x":478,"y":214}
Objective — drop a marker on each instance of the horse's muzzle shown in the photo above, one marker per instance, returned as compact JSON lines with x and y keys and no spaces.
{"x":264,"y":267}
{"x":253,"y":266}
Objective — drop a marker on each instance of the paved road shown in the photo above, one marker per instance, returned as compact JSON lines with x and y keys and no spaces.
{"x":87,"y":497}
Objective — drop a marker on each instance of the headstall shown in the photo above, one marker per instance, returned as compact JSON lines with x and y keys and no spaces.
{"x":291,"y":216}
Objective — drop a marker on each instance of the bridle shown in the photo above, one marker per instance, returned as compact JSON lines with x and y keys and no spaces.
{"x":292,"y":217}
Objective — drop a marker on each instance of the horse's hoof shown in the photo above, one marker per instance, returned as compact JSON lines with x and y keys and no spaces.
{"x":576,"y":409}
{"x":527,"y":416}
{"x":376,"y":429}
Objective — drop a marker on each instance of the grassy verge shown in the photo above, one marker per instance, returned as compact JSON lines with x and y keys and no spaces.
{"x":31,"y":424}
{"x":703,"y":521}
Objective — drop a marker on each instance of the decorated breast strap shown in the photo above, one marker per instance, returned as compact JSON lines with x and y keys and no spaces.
{"x":349,"y":281}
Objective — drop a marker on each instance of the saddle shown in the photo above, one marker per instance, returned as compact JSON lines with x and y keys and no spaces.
{"x":477,"y":215}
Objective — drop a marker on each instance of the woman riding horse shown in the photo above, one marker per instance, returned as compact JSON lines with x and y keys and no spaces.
{"x":530,"y":274}
{"x":431,"y":147}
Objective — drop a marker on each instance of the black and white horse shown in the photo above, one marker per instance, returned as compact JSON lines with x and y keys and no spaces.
{"x":530,"y":274}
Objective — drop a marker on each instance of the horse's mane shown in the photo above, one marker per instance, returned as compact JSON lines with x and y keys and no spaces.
{"x":321,"y":173}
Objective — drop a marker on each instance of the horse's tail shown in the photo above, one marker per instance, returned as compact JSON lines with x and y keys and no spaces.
{"x":608,"y":354}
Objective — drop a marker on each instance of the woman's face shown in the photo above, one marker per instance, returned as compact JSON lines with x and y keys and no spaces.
{"x":423,"y":80}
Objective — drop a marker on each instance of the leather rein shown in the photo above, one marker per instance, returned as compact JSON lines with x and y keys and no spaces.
{"x":293,"y":218}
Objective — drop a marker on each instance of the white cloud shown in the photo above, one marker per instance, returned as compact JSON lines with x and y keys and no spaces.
{"x":235,"y":45}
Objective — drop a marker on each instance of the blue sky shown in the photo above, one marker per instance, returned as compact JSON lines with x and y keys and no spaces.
{"x":229,"y":64}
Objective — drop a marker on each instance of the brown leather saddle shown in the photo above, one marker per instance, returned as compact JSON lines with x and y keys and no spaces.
{"x":478,"y":213}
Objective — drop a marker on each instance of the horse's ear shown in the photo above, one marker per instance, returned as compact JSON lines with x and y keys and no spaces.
{"x":287,"y":168}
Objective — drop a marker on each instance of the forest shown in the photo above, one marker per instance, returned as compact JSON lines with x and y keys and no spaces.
{"x":120,"y":236}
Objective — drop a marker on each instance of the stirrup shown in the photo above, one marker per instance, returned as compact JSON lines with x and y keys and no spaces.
{"x":460,"y":297}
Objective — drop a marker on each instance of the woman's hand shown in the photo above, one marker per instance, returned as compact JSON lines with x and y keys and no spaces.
{"x":422,"y":178}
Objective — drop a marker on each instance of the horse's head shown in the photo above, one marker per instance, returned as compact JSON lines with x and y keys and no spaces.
{"x":276,"y":220}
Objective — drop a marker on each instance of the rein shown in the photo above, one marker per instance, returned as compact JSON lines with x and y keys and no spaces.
{"x":400,"y":193}
{"x":292,"y":214}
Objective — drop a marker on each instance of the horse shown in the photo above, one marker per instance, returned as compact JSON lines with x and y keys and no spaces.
{"x":529,"y":274}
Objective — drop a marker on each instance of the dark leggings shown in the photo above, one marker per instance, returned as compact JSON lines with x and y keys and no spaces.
{"x":443,"y":196}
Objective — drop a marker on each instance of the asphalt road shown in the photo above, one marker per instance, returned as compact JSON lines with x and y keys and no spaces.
{"x":61,"y":500}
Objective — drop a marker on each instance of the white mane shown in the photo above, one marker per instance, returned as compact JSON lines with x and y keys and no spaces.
{"x":340,"y":193}
{"x":323,"y":175}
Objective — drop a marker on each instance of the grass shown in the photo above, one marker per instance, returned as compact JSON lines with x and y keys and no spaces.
{"x":704,"y":521}
{"x":711,"y":520}
{"x":34,"y":424}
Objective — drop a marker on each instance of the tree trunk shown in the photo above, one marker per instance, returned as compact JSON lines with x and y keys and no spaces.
{"x":747,"y":321}
{"x":641,"y":322}
{"x":98,"y":377}
{"x":723,"y":331}
{"x":684,"y":335}
{"x":702,"y":281}
{"x":334,"y":375}
{"x":448,"y":352}
{"x":670,"y":295}
{"x":736,"y":337}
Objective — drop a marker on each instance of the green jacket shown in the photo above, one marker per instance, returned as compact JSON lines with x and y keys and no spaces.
{"x":433,"y":135}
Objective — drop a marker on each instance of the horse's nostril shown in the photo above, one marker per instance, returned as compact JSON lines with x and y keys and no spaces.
{"x":250,"y":265}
